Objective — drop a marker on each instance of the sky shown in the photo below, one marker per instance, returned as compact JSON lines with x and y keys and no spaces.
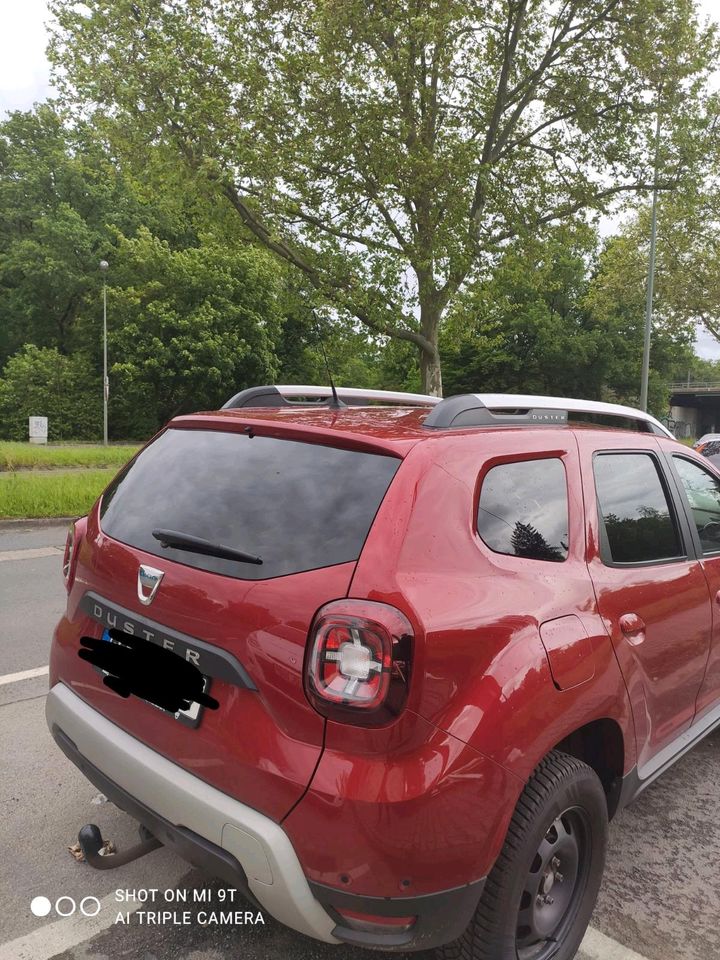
{"x":25,"y":79}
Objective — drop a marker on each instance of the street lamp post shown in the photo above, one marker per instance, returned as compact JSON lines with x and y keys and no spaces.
{"x":645,"y":376}
{"x":106,"y":383}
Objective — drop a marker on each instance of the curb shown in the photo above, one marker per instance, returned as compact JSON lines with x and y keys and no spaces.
{"x":31,"y":522}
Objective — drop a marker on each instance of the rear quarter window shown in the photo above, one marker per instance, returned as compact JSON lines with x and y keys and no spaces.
{"x":299,"y":506}
{"x":523,"y":509}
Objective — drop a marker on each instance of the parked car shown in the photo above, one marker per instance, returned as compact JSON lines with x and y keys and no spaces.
{"x":711,"y":451}
{"x":390,"y":670}
{"x":704,"y":439}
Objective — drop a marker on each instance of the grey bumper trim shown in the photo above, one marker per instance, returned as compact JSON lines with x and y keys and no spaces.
{"x":259,"y":844}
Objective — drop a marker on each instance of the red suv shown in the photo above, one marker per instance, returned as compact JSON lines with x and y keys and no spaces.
{"x":390,"y":669}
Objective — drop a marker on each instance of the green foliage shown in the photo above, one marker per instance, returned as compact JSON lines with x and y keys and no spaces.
{"x":41,"y":382}
{"x":616,"y":302}
{"x":559,"y":317}
{"x":61,"y":202}
{"x":388,"y":151}
{"x":687,"y":286}
{"x":699,"y":368}
{"x":524,"y":329}
{"x":188,"y":328}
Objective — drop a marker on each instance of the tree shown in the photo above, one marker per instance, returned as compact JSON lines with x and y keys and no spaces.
{"x":561,"y":315}
{"x":388,"y":150}
{"x":40,"y":381}
{"x":525,"y":329}
{"x":687,"y":284}
{"x":187,"y":329}
{"x":616,"y":302}
{"x":60,"y":199}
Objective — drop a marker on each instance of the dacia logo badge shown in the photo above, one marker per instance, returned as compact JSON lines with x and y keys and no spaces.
{"x":148,"y":582}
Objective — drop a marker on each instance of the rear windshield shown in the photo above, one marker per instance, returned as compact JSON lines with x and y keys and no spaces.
{"x":299,"y":506}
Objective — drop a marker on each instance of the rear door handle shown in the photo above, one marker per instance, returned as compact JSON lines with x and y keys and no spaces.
{"x":633,"y":627}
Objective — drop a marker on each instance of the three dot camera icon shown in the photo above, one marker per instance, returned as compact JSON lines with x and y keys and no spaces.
{"x":65,"y":906}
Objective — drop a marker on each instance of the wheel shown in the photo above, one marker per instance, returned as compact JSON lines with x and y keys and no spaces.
{"x":539,"y":896}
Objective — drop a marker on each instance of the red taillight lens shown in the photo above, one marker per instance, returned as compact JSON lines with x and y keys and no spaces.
{"x":358,"y":664}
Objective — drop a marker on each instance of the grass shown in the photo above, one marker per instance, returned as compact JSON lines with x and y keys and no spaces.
{"x":30,"y":456}
{"x":29,"y":494}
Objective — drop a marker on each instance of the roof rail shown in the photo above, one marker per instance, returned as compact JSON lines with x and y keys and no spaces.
{"x":516,"y":409}
{"x":290,"y":396}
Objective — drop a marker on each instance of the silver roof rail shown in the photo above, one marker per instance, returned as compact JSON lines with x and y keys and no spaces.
{"x":518,"y":409}
{"x":297,"y":395}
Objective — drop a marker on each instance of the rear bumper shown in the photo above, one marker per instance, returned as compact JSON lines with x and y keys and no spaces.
{"x":203,"y":824}
{"x":230,"y":840}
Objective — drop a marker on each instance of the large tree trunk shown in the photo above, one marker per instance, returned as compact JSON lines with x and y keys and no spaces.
{"x":430,"y":371}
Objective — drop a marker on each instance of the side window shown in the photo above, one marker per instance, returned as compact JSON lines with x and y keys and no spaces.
{"x":634,"y":509}
{"x":523,"y":510}
{"x":703,"y":493}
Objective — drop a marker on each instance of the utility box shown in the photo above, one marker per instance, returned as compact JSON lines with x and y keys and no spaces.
{"x":38,"y":429}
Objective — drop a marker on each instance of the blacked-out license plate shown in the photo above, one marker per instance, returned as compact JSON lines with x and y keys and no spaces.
{"x":190,"y":717}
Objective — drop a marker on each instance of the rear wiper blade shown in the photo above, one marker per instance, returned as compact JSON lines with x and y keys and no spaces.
{"x":183,"y":541}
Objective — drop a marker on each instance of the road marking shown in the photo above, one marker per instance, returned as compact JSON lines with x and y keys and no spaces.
{"x":24,"y":675}
{"x":61,"y":935}
{"x":596,"y":946}
{"x":33,"y":553}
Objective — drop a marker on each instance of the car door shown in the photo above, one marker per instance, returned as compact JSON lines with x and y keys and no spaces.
{"x":650,"y":587}
{"x":700,"y":490}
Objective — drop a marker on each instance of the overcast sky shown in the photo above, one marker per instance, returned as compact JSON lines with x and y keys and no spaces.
{"x":25,"y":77}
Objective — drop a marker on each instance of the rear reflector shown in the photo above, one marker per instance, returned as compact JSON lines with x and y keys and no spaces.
{"x":369,"y":923}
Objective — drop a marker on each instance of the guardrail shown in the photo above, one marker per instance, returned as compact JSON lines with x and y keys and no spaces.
{"x":682,"y":385}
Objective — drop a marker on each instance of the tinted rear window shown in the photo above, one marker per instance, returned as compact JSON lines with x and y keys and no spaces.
{"x":299,"y":506}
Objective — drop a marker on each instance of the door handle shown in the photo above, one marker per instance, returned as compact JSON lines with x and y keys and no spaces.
{"x":633,"y":627}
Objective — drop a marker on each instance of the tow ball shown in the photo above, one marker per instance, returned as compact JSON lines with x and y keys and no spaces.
{"x":91,"y":842}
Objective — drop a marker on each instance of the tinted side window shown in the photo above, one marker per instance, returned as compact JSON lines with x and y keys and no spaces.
{"x":634,"y":508}
{"x":523,"y":510}
{"x":703,"y":493}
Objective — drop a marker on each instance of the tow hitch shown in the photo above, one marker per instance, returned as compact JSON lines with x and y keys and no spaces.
{"x":91,"y":842}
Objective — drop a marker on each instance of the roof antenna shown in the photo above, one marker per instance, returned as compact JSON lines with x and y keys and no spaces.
{"x":336,"y":403}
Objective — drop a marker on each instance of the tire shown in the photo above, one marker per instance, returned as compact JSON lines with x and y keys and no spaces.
{"x":560,"y":824}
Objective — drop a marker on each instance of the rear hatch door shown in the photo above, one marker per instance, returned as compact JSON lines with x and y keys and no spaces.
{"x":305,"y":509}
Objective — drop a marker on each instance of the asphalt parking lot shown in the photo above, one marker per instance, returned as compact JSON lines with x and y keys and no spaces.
{"x":660,"y":899}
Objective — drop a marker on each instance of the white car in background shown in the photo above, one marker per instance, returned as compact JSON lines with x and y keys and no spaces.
{"x":705,"y":438}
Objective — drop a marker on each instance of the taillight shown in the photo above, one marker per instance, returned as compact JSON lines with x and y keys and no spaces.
{"x":358,"y":664}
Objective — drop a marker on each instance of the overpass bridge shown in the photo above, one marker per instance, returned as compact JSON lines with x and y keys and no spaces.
{"x":694,"y":407}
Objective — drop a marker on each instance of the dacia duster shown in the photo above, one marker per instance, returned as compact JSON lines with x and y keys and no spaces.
{"x":389,"y":665}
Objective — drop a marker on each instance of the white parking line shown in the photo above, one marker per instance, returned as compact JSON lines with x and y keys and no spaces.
{"x":31,"y":553}
{"x":596,"y":946}
{"x":24,"y":675}
{"x":61,"y":935}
